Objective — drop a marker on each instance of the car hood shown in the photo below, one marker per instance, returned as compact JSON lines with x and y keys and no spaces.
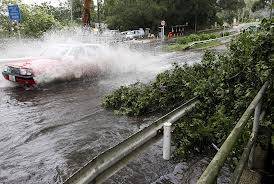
{"x":9,"y":61}
{"x":30,"y":62}
{"x":37,"y":65}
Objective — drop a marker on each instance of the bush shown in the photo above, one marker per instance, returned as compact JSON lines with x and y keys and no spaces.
{"x":196,"y":37}
{"x":182,"y":40}
{"x":225,"y":84}
{"x":205,"y":36}
{"x":176,"y":47}
{"x":225,"y":34}
{"x":213,"y":36}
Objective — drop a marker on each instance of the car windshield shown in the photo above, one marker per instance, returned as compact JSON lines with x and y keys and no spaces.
{"x":92,"y":50}
{"x":55,"y":52}
{"x":130,"y":33}
{"x":76,"y":52}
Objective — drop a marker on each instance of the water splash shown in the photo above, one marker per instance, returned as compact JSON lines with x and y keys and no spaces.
{"x":115,"y":58}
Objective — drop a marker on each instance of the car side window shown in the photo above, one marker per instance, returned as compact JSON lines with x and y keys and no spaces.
{"x":91,"y":50}
{"x":78,"y":53}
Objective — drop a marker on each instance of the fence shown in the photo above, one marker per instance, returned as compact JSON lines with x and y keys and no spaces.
{"x":210,"y":174}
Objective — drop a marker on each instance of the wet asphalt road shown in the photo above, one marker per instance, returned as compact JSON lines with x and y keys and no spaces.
{"x":48,"y":133}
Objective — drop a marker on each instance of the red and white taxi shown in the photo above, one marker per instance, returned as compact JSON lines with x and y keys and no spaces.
{"x":59,"y":61}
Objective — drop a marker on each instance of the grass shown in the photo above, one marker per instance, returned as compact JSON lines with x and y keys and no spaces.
{"x":176,"y":47}
{"x":206,"y":45}
{"x":181,"y":47}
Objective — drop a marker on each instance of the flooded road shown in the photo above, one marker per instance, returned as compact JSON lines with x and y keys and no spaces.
{"x":48,"y":133}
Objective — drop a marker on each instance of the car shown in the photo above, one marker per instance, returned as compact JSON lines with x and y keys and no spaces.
{"x":130,"y":35}
{"x":252,"y":28}
{"x":57,"y":61}
{"x":133,"y":34}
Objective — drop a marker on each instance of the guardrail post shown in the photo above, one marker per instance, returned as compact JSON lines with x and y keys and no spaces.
{"x":167,"y":141}
{"x":255,"y":128}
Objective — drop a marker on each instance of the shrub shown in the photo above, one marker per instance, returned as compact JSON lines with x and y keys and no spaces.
{"x":226,"y":34}
{"x":196,"y":37}
{"x":205,"y":37}
{"x":213,"y":36}
{"x":182,"y":40}
{"x":225,"y":84}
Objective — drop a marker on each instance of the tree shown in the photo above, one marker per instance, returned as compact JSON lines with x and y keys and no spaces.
{"x":129,"y":14}
{"x":77,"y":9}
{"x":201,"y":13}
{"x":231,"y":9}
{"x":261,"y":4}
{"x":39,"y":18}
{"x":35,"y":19}
{"x":231,"y":5}
{"x":60,"y":13}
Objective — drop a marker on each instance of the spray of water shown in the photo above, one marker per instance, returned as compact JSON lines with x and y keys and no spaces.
{"x":112,"y":58}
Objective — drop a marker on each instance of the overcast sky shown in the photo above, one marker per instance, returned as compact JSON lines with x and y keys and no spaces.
{"x":53,"y":2}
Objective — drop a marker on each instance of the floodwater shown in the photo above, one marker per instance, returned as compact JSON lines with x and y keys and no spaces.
{"x":48,"y":133}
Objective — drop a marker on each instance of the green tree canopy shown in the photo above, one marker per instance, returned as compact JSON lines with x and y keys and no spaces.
{"x":260,"y":4}
{"x":230,"y":9}
{"x":129,"y":14}
{"x":232,"y":5}
{"x":36,"y":21}
{"x":39,"y":18}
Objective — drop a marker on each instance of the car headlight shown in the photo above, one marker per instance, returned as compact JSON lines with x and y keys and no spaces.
{"x":23,"y":71}
{"x":29,"y":72}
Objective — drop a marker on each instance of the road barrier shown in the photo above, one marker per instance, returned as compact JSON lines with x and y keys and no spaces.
{"x":98,"y":170}
{"x":210,"y":174}
{"x":108,"y":163}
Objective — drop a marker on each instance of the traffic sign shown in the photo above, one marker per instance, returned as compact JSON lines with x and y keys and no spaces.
{"x":14,"y":12}
{"x":163,"y":23}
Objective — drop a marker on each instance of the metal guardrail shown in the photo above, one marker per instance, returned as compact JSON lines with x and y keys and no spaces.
{"x":108,"y":163}
{"x":210,"y":174}
{"x":93,"y":171}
